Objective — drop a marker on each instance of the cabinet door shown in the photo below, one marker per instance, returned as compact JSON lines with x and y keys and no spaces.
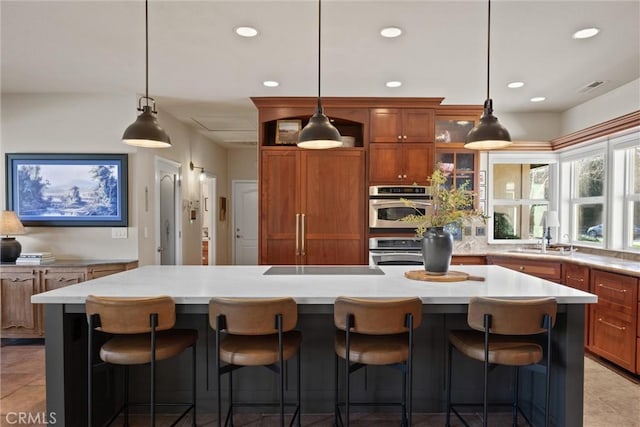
{"x":417,"y":163}
{"x":385,"y":163}
{"x":279,"y":202}
{"x":417,"y":125}
{"x":385,"y":125}
{"x":333,"y":205}
{"x":20,"y":318}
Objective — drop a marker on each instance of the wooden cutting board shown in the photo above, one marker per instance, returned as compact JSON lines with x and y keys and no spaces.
{"x":450,"y":276}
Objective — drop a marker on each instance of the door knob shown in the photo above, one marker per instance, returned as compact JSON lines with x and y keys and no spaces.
{"x":160,"y":249}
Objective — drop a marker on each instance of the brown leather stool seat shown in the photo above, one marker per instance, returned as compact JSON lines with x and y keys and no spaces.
{"x":255,"y":332}
{"x":505,"y":333}
{"x":140,"y":332}
{"x":375,"y":332}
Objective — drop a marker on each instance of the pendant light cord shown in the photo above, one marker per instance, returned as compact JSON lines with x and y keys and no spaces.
{"x":319,"y":106}
{"x":488,"y":44}
{"x":146,"y":47}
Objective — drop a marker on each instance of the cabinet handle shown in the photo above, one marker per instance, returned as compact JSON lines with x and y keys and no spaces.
{"x":302,"y":236}
{"x":404,"y":137}
{"x":297,"y":234}
{"x":620,"y":328}
{"x":521,"y":268}
{"x":575,"y":278}
{"x":612,"y":289}
{"x":399,"y":176}
{"x":404,"y":176}
{"x":15,"y":280}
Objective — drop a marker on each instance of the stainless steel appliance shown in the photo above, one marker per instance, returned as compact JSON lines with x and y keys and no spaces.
{"x":395,"y":251}
{"x":387,"y":207}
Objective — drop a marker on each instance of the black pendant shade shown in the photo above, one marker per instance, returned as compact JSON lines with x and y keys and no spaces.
{"x":145,"y":131}
{"x":319,"y":133}
{"x":488,"y":133}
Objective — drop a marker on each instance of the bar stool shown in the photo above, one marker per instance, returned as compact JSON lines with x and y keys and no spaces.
{"x":141,"y":332}
{"x":255,"y":332}
{"x":504,"y":333}
{"x":375,"y":332}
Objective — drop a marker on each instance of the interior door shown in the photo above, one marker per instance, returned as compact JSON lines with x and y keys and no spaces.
{"x":168,"y":213}
{"x":245,"y":222}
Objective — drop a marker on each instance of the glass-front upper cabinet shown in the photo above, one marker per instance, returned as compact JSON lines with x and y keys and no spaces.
{"x":453,"y":129}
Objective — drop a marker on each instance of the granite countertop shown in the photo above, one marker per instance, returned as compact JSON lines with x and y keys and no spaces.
{"x":74,"y":263}
{"x":602,"y":262}
{"x":197,"y":284}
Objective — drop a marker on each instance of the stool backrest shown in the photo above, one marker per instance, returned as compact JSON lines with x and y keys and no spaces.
{"x":253,"y":316}
{"x":131,"y":315}
{"x":511,"y":317}
{"x":377,"y":316}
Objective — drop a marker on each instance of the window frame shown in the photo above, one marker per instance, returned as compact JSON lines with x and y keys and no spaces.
{"x":495,"y":157}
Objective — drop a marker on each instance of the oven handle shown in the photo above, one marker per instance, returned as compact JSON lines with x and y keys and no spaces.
{"x":410,"y":203}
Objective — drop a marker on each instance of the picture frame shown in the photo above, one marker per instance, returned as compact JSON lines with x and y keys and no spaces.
{"x":68,"y":190}
{"x":287,"y":131}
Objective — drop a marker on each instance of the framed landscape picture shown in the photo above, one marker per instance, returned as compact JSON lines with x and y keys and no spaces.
{"x":72,"y":190}
{"x":287,"y":131}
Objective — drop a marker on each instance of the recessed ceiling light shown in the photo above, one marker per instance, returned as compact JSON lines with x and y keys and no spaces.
{"x":390,"y":32}
{"x":537,"y":99}
{"x":246,"y":31}
{"x":393,"y":83}
{"x":270,"y":83}
{"x":515,"y":85}
{"x":585,"y":33}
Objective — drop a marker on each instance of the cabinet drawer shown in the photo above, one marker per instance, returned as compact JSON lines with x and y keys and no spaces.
{"x":576,"y":276}
{"x":468,"y":260}
{"x":638,"y":358}
{"x":613,"y":337}
{"x":103,"y":270}
{"x":616,"y":291}
{"x":542,"y":269}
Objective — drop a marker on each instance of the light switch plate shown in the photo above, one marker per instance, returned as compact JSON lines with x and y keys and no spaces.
{"x":119,"y":233}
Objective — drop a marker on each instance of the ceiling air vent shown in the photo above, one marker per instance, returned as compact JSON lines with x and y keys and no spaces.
{"x":591,"y":86}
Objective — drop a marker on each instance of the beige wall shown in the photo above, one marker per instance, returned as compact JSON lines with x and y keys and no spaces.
{"x":94,"y":124}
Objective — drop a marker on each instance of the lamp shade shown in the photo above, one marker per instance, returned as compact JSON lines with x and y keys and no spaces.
{"x":10,"y":224}
{"x":319,"y":133}
{"x":551,"y":219}
{"x":489,"y":134}
{"x":146,"y":132}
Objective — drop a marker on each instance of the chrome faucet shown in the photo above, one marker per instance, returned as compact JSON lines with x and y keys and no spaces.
{"x":568,"y":241}
{"x":543,"y":245}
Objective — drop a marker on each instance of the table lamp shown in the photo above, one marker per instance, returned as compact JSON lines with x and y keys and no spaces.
{"x":550,"y":220}
{"x":10,"y":248}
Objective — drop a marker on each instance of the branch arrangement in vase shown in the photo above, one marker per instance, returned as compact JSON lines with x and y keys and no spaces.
{"x":449,"y":206}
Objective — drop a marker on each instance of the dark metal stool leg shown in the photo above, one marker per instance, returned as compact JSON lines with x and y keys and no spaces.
{"x":126,"y":395}
{"x":299,"y":396}
{"x":516,"y":373}
{"x":447,"y":422}
{"x":193,"y":384}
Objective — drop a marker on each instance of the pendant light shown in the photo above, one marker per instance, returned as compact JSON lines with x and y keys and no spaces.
{"x":488,"y":134}
{"x":319,"y":133}
{"x":146,"y":131}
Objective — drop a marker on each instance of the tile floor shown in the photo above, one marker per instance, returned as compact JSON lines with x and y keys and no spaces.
{"x":612,"y":398}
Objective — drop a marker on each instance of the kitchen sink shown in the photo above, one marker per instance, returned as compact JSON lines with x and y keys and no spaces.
{"x":550,"y":251}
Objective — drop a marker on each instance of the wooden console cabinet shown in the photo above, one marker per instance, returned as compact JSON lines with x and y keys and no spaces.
{"x":20,"y":318}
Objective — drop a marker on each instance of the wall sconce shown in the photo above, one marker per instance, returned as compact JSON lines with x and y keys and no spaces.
{"x":192,"y":167}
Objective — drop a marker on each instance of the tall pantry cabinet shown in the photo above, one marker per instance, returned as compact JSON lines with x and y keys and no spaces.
{"x":312,"y":202}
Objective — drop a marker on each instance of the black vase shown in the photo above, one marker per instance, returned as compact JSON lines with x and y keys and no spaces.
{"x":437,"y":247}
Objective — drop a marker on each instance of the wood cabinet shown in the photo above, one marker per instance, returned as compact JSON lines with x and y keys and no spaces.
{"x":613,"y":327}
{"x":577,"y":277}
{"x":405,"y":163}
{"x":401,"y":149}
{"x":468,"y":260}
{"x":402,"y":125}
{"x":20,"y":318}
{"x":312,"y":207}
{"x":550,"y":270}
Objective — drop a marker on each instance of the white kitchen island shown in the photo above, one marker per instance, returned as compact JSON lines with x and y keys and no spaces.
{"x":314,"y":288}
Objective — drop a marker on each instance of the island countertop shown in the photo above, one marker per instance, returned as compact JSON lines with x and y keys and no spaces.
{"x":310,"y":285}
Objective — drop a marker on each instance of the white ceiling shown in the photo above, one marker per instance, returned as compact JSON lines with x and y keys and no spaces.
{"x":203,"y":74}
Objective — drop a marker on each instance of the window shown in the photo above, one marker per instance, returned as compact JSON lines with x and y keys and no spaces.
{"x":632,"y":199}
{"x":520,"y":194}
{"x":587,"y":204}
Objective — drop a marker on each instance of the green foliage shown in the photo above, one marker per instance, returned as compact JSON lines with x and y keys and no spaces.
{"x":449,"y":206}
